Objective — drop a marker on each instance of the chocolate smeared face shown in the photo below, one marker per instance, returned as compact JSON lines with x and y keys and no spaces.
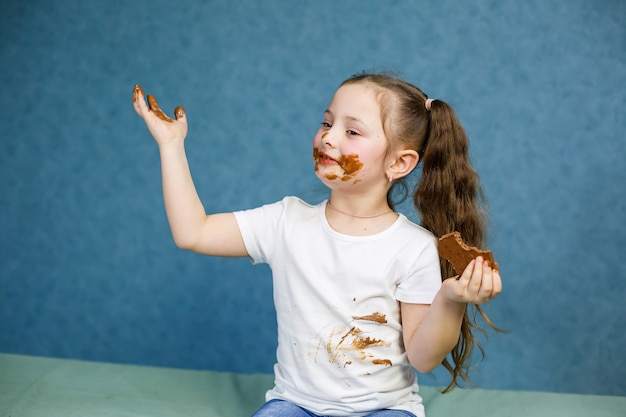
{"x":350,"y":146}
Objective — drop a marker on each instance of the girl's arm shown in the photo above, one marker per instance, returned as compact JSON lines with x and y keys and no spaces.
{"x":192,"y":229}
{"x":430,"y":332}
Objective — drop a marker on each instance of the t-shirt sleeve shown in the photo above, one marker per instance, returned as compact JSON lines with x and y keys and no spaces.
{"x":423,"y":280}
{"x":259,"y":227}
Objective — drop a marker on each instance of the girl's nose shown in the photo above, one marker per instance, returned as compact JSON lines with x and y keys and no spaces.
{"x":327,"y":139}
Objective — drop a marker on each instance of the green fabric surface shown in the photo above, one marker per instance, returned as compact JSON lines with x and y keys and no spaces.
{"x":38,"y":387}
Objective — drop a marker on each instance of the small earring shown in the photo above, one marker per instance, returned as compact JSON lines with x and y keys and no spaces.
{"x":390,"y":179}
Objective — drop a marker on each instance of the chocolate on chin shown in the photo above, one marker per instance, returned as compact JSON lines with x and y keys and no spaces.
{"x":452,"y":248}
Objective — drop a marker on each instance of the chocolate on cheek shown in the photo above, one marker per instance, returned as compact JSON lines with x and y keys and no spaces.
{"x":350,"y":165}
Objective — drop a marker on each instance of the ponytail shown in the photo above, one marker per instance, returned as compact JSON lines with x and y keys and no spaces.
{"x":449,"y":198}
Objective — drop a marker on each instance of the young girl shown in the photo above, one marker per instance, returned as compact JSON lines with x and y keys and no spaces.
{"x":358,"y":288}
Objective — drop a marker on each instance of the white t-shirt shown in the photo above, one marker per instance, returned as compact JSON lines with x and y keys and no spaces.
{"x":340,"y":349}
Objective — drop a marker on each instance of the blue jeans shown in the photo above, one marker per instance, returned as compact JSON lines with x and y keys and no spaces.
{"x":280,"y":408}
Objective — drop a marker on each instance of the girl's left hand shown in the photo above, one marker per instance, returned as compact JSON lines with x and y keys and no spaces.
{"x":478,"y":284}
{"x":163,"y":128}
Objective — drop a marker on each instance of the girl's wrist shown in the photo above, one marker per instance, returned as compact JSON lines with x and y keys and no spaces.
{"x":450,"y":298}
{"x":174,"y":145}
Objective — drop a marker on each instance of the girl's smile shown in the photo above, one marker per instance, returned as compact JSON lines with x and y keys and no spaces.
{"x":327,"y":160}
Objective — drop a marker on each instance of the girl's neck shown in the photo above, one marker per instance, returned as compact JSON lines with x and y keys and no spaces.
{"x":359,"y":217}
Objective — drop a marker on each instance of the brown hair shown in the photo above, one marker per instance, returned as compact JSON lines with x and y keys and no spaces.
{"x":448,"y":195}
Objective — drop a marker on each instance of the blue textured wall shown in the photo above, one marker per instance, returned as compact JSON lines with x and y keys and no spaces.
{"x":87,"y":265}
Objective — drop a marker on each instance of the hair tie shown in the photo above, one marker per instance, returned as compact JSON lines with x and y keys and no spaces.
{"x":428,"y":103}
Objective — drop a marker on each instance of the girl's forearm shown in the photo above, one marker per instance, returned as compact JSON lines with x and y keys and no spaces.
{"x":185,"y":212}
{"x":437,"y":334}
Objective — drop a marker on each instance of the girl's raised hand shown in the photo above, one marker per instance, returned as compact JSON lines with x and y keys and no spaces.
{"x":478,"y":284}
{"x":163,"y":128}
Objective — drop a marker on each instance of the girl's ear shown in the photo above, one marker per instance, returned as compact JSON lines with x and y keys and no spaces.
{"x":403,"y":163}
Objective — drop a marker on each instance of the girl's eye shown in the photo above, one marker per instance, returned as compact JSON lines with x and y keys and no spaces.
{"x":326,"y":125}
{"x":352,"y":132}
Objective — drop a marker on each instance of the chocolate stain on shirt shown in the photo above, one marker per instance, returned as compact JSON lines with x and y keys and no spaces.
{"x":354,"y":340}
{"x":375,"y":317}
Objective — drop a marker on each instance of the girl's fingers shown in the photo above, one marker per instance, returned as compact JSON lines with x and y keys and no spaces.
{"x":138,"y":100}
{"x":179,"y":112}
{"x":497,"y":284}
{"x":479,"y":282}
{"x":491,"y":285}
{"x":154,"y":107}
{"x":139,"y":103}
{"x":467,"y":273}
{"x":476,"y":279}
{"x":487,"y":284}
